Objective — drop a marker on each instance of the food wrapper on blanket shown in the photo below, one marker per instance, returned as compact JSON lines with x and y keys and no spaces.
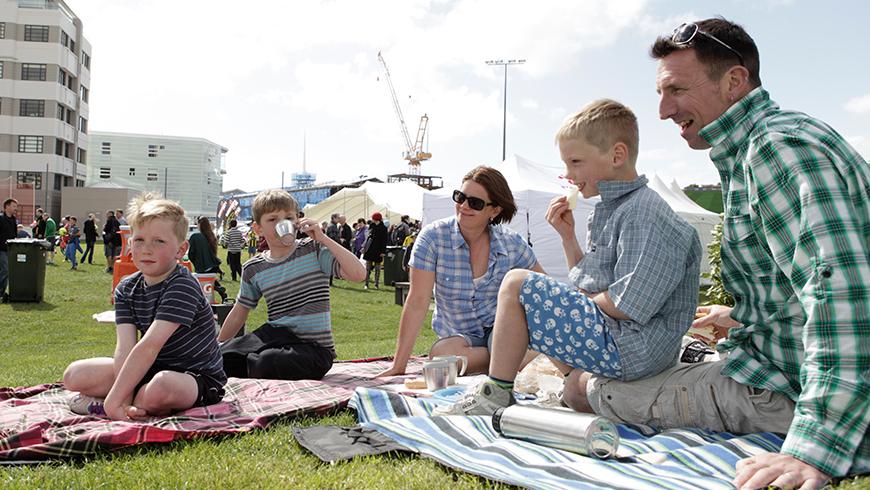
{"x":542,"y":379}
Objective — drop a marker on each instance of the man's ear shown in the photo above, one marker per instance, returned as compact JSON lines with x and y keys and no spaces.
{"x":736,"y":82}
{"x":620,"y":154}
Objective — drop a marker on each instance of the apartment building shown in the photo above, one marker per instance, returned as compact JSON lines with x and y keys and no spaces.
{"x":187,"y":170}
{"x":44,"y":89}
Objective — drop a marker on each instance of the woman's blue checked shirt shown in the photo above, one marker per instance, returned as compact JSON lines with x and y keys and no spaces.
{"x":460,"y":306}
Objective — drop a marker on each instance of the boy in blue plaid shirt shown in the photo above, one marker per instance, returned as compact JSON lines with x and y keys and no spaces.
{"x":634,"y":289}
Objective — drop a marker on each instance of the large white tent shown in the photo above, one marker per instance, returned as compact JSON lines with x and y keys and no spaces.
{"x":391,"y":200}
{"x":701,"y":219}
{"x":535,"y":185}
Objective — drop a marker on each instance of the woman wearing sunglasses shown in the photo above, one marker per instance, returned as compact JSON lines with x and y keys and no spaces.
{"x":464,"y":258}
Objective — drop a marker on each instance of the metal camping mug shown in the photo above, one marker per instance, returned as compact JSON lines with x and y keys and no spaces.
{"x":454,"y":370}
{"x":286,"y":232}
{"x":436,"y":374}
{"x":582,"y":433}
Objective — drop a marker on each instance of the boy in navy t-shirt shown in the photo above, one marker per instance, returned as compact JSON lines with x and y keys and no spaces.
{"x":167,"y":357}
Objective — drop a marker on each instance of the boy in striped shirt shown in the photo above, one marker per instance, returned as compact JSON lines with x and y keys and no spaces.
{"x":167,"y":358}
{"x":293,"y":277}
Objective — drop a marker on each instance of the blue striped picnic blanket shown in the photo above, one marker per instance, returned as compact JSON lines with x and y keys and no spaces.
{"x":672,"y":459}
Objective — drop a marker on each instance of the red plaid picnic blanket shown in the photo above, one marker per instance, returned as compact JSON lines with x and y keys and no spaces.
{"x":36,"y":423}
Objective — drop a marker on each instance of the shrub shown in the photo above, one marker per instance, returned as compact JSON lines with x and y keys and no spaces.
{"x":716,"y":293}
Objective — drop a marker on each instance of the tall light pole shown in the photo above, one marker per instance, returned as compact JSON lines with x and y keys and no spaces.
{"x":504,"y":63}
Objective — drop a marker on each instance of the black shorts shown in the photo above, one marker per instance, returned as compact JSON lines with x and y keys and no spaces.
{"x":272,"y":352}
{"x":209,"y":389}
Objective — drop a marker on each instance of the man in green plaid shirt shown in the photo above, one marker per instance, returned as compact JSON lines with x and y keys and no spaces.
{"x":795,"y":256}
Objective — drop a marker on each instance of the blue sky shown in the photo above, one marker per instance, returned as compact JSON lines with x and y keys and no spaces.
{"x":256,"y":79}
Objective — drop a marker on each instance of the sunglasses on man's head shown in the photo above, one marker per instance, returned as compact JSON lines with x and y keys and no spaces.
{"x":474,"y":203}
{"x":685,"y":33}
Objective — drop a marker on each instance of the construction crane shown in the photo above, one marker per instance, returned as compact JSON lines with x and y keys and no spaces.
{"x":414,"y":152}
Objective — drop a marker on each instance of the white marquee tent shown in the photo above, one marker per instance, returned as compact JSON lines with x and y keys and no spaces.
{"x":535,"y":185}
{"x":701,"y":219}
{"x":391,"y":200}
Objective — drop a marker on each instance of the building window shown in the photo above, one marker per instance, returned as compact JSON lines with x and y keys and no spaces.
{"x":132,"y":172}
{"x":81,"y":156}
{"x":64,"y":38}
{"x":58,"y":147}
{"x":83,"y":125}
{"x":152,"y":151}
{"x":86,"y":60}
{"x":72,"y":46}
{"x":34,"y":178}
{"x":152,"y":175}
{"x":70,"y":117}
{"x":30,"y":144}
{"x":84,"y":92}
{"x":36,"y":33}
{"x":105,"y":172}
{"x":61,"y":77}
{"x":61,"y":111}
{"x":2,"y":30}
{"x":106,"y":148}
{"x":1,"y":68}
{"x":31,"y":108}
{"x":58,"y":181}
{"x":68,"y":147}
{"x":80,"y":183}
{"x":33,"y":71}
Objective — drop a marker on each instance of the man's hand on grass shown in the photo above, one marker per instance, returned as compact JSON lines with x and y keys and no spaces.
{"x":778,"y":470}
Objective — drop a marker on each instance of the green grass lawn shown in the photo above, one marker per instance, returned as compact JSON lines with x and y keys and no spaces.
{"x":39,"y":340}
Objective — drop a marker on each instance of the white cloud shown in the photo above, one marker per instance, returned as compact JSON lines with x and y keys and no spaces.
{"x":858,"y":105}
{"x":530,"y":104}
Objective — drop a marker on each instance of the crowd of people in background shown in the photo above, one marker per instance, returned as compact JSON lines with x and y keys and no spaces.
{"x":365,"y":238}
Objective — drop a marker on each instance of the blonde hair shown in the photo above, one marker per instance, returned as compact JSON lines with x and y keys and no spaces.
{"x":271,"y":200}
{"x":147,"y":207}
{"x":603,"y":123}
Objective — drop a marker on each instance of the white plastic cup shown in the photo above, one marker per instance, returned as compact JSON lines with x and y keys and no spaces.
{"x":286,"y":232}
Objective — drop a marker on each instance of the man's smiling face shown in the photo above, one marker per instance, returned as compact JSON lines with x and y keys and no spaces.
{"x":688,"y":97}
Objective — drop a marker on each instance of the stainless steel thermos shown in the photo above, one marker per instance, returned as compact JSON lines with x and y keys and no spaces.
{"x":583,"y":433}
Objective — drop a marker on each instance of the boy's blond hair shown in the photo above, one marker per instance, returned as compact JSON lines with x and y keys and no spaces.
{"x":271,"y":200}
{"x":148,"y":206}
{"x":603,"y":123}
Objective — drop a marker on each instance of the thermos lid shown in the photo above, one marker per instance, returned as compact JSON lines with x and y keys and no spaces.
{"x":496,"y":419}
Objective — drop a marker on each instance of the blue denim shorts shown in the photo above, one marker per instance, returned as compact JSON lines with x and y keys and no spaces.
{"x":482,"y":341}
{"x":473,"y":340}
{"x":567,"y":325}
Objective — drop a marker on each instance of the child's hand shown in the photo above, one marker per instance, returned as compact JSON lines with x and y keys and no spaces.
{"x":560,"y":217}
{"x":115,"y":412}
{"x":311,"y":228}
